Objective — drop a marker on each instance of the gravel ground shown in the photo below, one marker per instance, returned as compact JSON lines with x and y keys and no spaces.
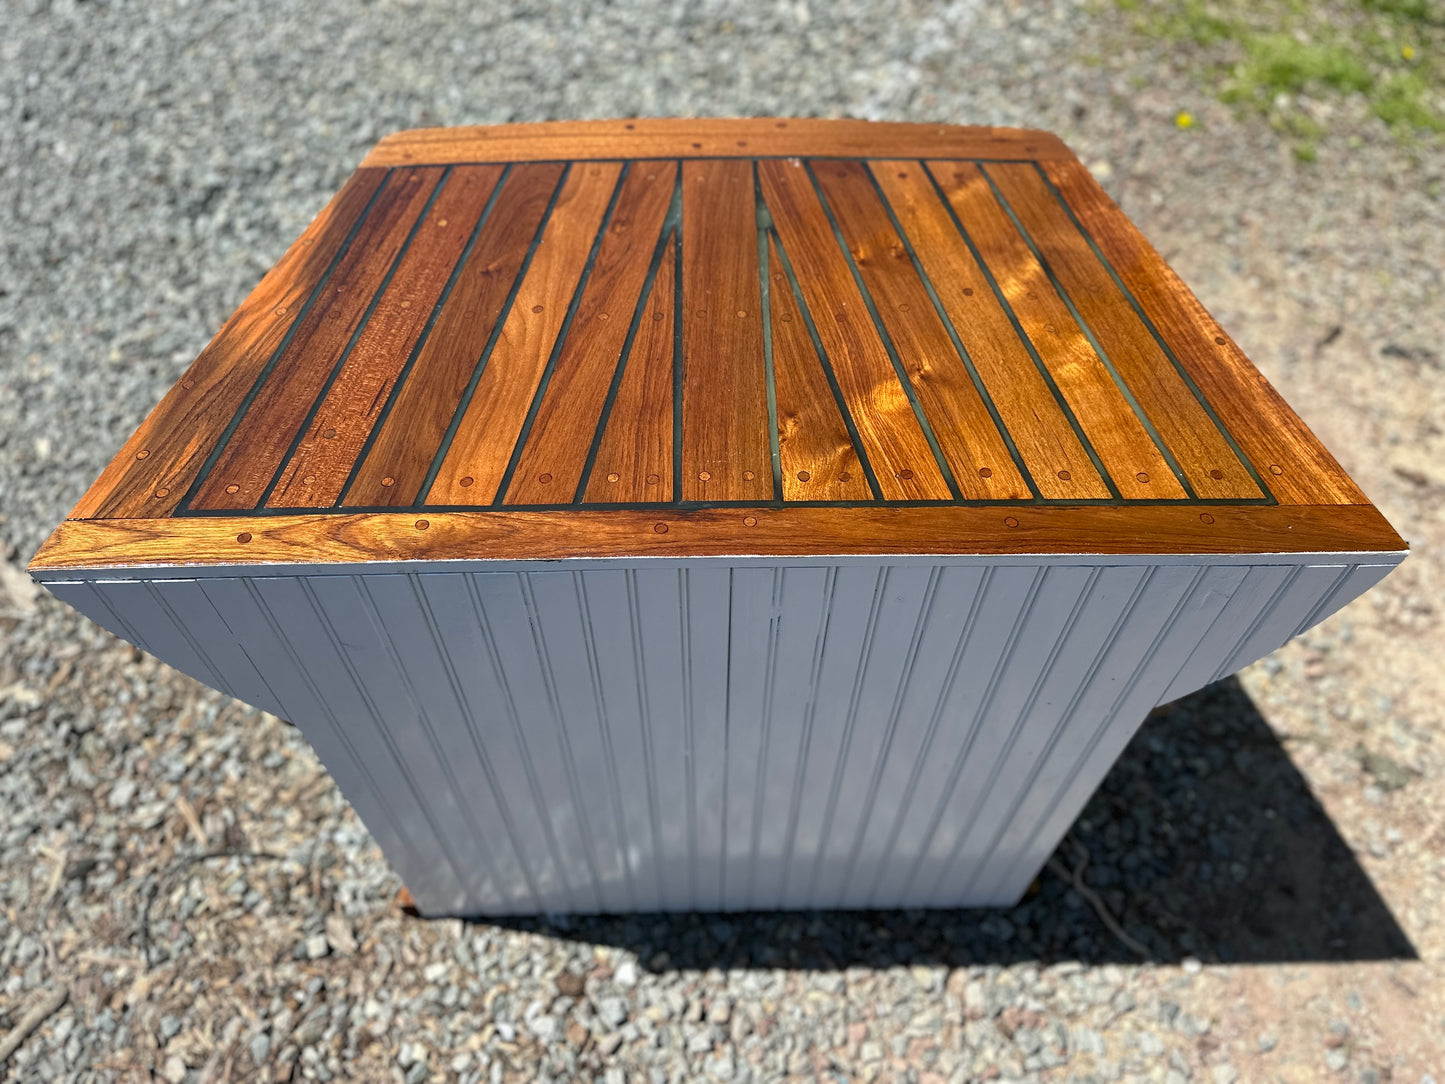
{"x":180,"y":869}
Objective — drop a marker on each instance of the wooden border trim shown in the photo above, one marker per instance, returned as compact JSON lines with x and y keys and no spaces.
{"x":715,"y":532}
{"x":708,"y":137}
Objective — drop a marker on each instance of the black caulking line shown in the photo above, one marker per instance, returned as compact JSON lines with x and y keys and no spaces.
{"x":898,"y":367}
{"x":702,"y":506}
{"x":674,"y":211}
{"x":1089,"y":334}
{"x":1158,"y":338}
{"x":361,"y":325}
{"x":1008,"y":309}
{"x":421,"y":341}
{"x":260,"y":381}
{"x":764,"y":223}
{"x":481,"y":365}
{"x":557,"y":346}
{"x":953,"y":335}
{"x":831,"y":376}
{"x":678,"y":365}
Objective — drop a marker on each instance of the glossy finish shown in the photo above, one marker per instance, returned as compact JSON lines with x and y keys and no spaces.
{"x":717,"y":514}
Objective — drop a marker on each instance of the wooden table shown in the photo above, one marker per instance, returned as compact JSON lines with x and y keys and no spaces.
{"x":717,"y":513}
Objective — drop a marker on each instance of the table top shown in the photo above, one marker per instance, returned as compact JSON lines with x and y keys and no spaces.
{"x":716,"y":337}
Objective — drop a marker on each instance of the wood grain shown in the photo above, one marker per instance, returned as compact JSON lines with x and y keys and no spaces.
{"x":1119,"y":438}
{"x":423,"y":407}
{"x":317,"y":471}
{"x":892,"y":439}
{"x":819,"y":462}
{"x":967,"y":432}
{"x":634,"y":460}
{"x":789,"y":531}
{"x":259,"y":444}
{"x":709,"y":137}
{"x":1270,"y":433}
{"x":550,"y":468}
{"x":1211,"y":466}
{"x":155,"y":467}
{"x":1050,"y":448}
{"x":472,"y":469}
{"x":726,"y":448}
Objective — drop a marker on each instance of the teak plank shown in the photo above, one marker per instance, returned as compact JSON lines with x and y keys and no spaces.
{"x":764,"y":531}
{"x":162,"y":458}
{"x":981,"y":461}
{"x":709,"y":137}
{"x":1043,"y":435}
{"x":1129,"y":455}
{"x":317,"y":471}
{"x":726,"y":450}
{"x":474,"y":465}
{"x":1201,"y":451}
{"x":1295,"y":465}
{"x":562,"y":433}
{"x":892,"y":438}
{"x":422,"y":407}
{"x":634,"y":460}
{"x":258,"y":446}
{"x":819,"y":462}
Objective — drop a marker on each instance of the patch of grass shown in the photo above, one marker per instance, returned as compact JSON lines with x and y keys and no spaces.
{"x":1283,"y":58}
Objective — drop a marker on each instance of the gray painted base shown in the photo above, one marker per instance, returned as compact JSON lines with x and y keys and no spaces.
{"x":720,"y":735}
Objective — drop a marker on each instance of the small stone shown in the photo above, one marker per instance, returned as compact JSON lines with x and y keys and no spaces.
{"x":339,"y":935}
{"x":170,"y":1026}
{"x":316,"y":947}
{"x":121,"y":794}
{"x":608,"y":1044}
{"x":1224,"y":1074}
{"x":1191,"y":965}
{"x":434,"y":972}
{"x":570,"y":984}
{"x":625,"y":976}
{"x":260,"y":1048}
{"x":1268,"y":1042}
{"x":174,"y":1070}
{"x":544,"y":1027}
{"x":613,"y":1010}
{"x":1336,"y":1060}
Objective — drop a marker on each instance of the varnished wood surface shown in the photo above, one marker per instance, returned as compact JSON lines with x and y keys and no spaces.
{"x":790,"y":531}
{"x":710,"y":137}
{"x":809,"y":318}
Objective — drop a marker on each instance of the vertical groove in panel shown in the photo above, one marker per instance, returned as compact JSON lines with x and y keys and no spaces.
{"x":722,"y":851}
{"x":890,"y":727}
{"x":849,"y":722}
{"x":1108,"y":719}
{"x":1314,"y":617}
{"x":340,"y":648}
{"x":1106,"y":644}
{"x":539,"y":797}
{"x":469,"y":721}
{"x":380,"y":727}
{"x":1254,"y":626}
{"x":215,"y":679}
{"x":1062,"y":638}
{"x":806,"y":735}
{"x":765,"y":736}
{"x":549,"y":683}
{"x":688,"y":737}
{"x":936,"y":717}
{"x":959,"y":760}
{"x":240,"y":643}
{"x":645,"y":712}
{"x":605,"y":726}
{"x":126,"y":629}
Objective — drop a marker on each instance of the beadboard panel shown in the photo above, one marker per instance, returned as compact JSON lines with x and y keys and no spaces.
{"x":722,"y":736}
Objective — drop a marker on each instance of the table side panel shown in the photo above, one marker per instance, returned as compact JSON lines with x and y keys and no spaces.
{"x":721,"y":738}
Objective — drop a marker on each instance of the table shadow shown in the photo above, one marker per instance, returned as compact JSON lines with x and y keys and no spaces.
{"x":1204,"y":840}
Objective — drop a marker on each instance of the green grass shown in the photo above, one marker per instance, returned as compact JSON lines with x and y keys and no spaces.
{"x":1275,"y":57}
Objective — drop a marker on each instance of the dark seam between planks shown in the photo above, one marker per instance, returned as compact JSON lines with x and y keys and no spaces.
{"x":361,"y":326}
{"x":674,"y":212}
{"x":1028,"y":344}
{"x":764,"y":222}
{"x":698,"y":506}
{"x":831,"y":376}
{"x":562,"y":333}
{"x":711,"y":158}
{"x":1158,"y":338}
{"x":270,"y":365}
{"x":401,"y":377}
{"x":459,"y":412}
{"x":1088,"y":333}
{"x":899,"y":369}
